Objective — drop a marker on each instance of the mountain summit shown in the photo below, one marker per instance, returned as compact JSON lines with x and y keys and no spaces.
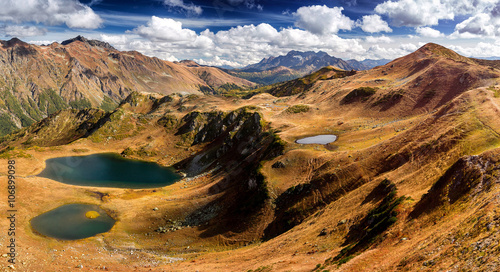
{"x":305,"y":62}
{"x":90,"y":42}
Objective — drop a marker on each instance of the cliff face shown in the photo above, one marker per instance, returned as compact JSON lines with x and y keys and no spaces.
{"x":36,"y":81}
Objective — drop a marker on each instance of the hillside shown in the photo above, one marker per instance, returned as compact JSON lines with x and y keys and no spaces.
{"x":411,"y":183}
{"x":419,"y":82}
{"x":36,"y":81}
{"x":215,"y":78}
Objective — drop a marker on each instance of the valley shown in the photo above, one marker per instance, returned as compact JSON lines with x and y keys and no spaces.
{"x":411,"y":181}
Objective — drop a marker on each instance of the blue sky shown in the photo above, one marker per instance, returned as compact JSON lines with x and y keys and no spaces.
{"x":241,"y":32}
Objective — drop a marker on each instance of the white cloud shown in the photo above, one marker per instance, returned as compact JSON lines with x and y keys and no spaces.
{"x":22,"y":31}
{"x":191,"y":8}
{"x":415,"y":13}
{"x":46,"y":42}
{"x":115,"y":39}
{"x":480,"y":25}
{"x":481,"y":49}
{"x":373,"y":24}
{"x":165,"y":29}
{"x":429,"y":32}
{"x":322,"y":19}
{"x":216,"y":61}
{"x":381,"y":39}
{"x":389,"y":51}
{"x":51,"y":12}
{"x":242,"y":45}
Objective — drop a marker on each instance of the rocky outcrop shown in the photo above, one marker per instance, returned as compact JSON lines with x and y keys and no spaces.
{"x":466,"y":178}
{"x":234,"y":145}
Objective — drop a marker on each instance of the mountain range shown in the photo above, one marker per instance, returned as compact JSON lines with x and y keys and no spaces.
{"x":36,"y":81}
{"x":411,"y":182}
{"x":296,"y":64}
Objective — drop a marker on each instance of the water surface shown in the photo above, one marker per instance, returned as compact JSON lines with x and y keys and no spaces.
{"x":68,"y":222}
{"x":108,"y":170}
{"x":319,"y":139}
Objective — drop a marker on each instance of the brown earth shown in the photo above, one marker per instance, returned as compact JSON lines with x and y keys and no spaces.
{"x":441,"y":156}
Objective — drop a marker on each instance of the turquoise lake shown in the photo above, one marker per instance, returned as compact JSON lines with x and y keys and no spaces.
{"x":68,"y":222}
{"x":108,"y":170}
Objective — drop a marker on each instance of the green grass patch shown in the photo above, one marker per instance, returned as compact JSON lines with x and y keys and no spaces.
{"x":80,"y":104}
{"x":496,"y":92}
{"x":49,"y":102}
{"x":361,"y":93}
{"x":298,"y":109}
{"x":377,"y":221}
{"x":80,"y":150}
{"x":108,"y":104}
{"x":7,"y":126}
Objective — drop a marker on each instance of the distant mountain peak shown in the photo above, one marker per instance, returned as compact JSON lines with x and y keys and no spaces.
{"x":90,"y":42}
{"x":304,"y":62}
{"x":13,"y":42}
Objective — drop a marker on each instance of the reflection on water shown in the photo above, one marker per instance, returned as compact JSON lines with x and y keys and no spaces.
{"x":108,"y":170}
{"x":69,"y":222}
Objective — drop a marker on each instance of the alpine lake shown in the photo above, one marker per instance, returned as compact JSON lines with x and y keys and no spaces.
{"x":78,"y":221}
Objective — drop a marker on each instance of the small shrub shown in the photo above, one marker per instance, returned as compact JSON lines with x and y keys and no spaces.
{"x":429,"y":94}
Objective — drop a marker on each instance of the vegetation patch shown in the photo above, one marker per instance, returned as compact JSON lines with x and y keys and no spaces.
{"x":32,"y":109}
{"x":80,"y":104}
{"x":11,"y":153}
{"x":298,"y":109}
{"x":496,"y":92}
{"x":390,"y":98}
{"x":15,"y":108}
{"x":50,"y":102}
{"x":7,"y":126}
{"x":429,"y":94}
{"x":361,"y":93}
{"x":80,"y":150}
{"x":362,"y":235}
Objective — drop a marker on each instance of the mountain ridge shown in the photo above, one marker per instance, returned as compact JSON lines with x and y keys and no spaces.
{"x":39,"y":80}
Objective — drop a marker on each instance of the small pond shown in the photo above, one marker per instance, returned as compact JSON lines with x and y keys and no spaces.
{"x":72,"y":222}
{"x":319,"y":139}
{"x":108,"y":170}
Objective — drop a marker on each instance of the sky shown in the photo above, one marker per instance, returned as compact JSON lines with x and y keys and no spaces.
{"x":241,"y":32}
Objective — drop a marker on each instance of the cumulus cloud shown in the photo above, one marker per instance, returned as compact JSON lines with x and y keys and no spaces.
{"x":51,"y":12}
{"x":429,"y":32}
{"x":322,"y":19}
{"x":382,"y":52}
{"x":415,"y":13}
{"x":217,"y":61}
{"x":373,"y":24}
{"x":481,"y":49}
{"x":165,"y":29}
{"x":480,"y":25}
{"x":237,"y":46}
{"x":22,"y":31}
{"x":381,"y":39}
{"x":191,"y":8}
